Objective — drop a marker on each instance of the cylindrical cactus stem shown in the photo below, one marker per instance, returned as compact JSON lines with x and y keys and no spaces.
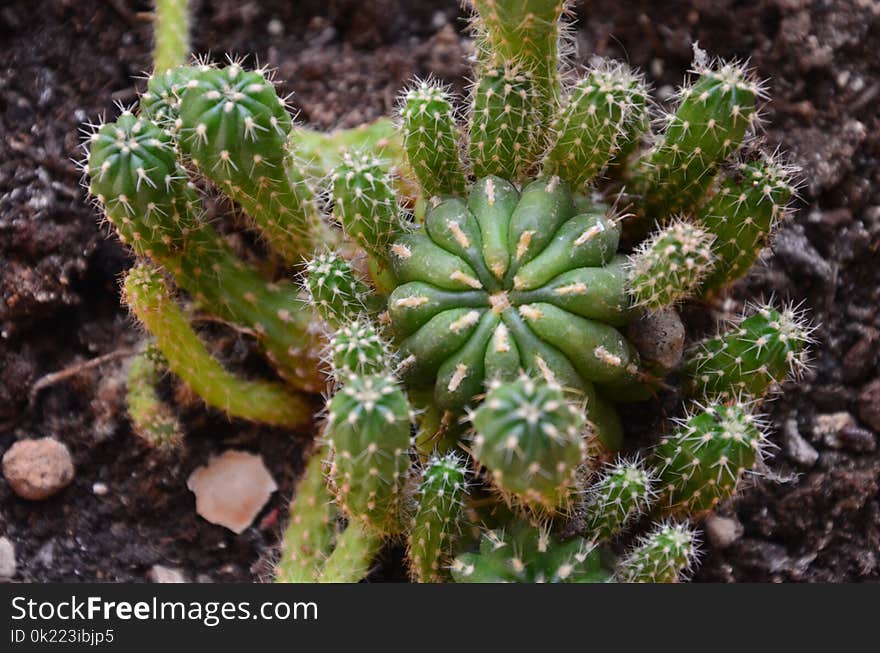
{"x":431,"y":138}
{"x":526,"y":553}
{"x":308,"y":538}
{"x":234,"y":128}
{"x":703,"y":460}
{"x":368,"y":432}
{"x":751,"y":358}
{"x":161,"y":101}
{"x":503,"y":123}
{"x":665,"y":555}
{"x":436,"y":523}
{"x":354,"y":552}
{"x":358,"y":349}
{"x":271,"y":403}
{"x":595,"y":120}
{"x":708,"y":126}
{"x":171,"y":34}
{"x":742,"y":215}
{"x":636,"y":129}
{"x":337,"y":292}
{"x":670,"y":266}
{"x":365,"y":204}
{"x":531,"y":440}
{"x":624,"y":490}
{"x":151,"y":418}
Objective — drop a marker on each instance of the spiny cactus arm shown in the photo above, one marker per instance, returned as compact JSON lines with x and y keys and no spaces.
{"x":234,"y":128}
{"x":624,"y":491}
{"x":336,"y":291}
{"x":270,"y":403}
{"x":309,"y":535}
{"x":531,"y":441}
{"x":752,"y":357}
{"x":589,"y":130}
{"x":151,"y":418}
{"x":161,"y":101}
{"x":635,"y":130}
{"x":368,"y":433}
{"x":708,"y":126}
{"x":358,"y":349}
{"x":436,"y":523}
{"x":355,"y":550}
{"x":742,"y":215}
{"x":665,"y":555}
{"x":671,"y":265}
{"x":171,"y":34}
{"x":431,"y":138}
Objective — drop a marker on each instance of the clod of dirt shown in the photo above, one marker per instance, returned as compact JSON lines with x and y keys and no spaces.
{"x":796,"y":447}
{"x":723,"y":531}
{"x":7,"y":559}
{"x":37,"y":468}
{"x":869,"y":405}
{"x":659,"y":337}
{"x":232,"y":489}
{"x":160,"y":574}
{"x":829,"y":426}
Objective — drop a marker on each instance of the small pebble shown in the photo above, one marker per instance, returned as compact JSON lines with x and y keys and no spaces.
{"x":723,"y":531}
{"x":99,"y":489}
{"x":160,"y":574}
{"x":855,"y":438}
{"x":37,"y":468}
{"x":827,"y":427}
{"x":796,"y":447}
{"x":7,"y":559}
{"x":869,"y":405}
{"x":659,"y":337}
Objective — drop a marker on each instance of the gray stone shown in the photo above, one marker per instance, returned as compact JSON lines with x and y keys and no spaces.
{"x":796,"y":447}
{"x":723,"y":531}
{"x":7,"y":559}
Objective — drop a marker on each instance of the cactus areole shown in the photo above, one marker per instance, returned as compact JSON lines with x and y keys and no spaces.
{"x":511,"y":281}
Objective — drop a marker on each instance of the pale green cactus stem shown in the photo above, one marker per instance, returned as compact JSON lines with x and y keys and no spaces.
{"x":151,"y":418}
{"x":665,"y":555}
{"x":353,"y":554}
{"x":593,"y":123}
{"x":503,"y":124}
{"x":358,"y":349}
{"x":751,"y":358}
{"x":671,"y":265}
{"x":431,"y":138}
{"x":624,"y":490}
{"x":703,"y":460}
{"x":437,"y":520}
{"x":336,"y":291}
{"x":368,"y":433}
{"x":742,"y":214}
{"x":234,"y":128}
{"x":270,"y":403}
{"x":636,"y":129}
{"x":171,"y":34}
{"x":308,"y":538}
{"x":531,"y":440}
{"x":524,"y":553}
{"x":708,"y":126}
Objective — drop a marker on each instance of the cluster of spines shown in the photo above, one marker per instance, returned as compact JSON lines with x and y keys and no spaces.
{"x":151,"y":418}
{"x":667,"y":554}
{"x":357,"y":348}
{"x":437,"y":520}
{"x":751,"y":358}
{"x":336,"y":291}
{"x":670,"y":265}
{"x":431,"y":139}
{"x":368,"y":433}
{"x":623,"y":491}
{"x":531,"y":440}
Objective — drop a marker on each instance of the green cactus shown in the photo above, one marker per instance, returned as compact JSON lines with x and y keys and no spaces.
{"x":358,"y":349}
{"x":431,"y":139}
{"x":530,"y":554}
{"x":161,"y":101}
{"x":148,"y":297}
{"x":624,"y":491}
{"x":352,"y":556}
{"x":708,"y":126}
{"x":151,"y":418}
{"x":665,"y":555}
{"x":751,"y":358}
{"x":703,"y":460}
{"x":590,"y":128}
{"x":531,"y":440}
{"x":171,"y":34}
{"x":368,"y":432}
{"x":436,"y":522}
{"x":335,"y":289}
{"x":741,"y":215}
{"x":671,"y":265}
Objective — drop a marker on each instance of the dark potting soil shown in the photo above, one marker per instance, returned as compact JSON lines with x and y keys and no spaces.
{"x":813,"y":516}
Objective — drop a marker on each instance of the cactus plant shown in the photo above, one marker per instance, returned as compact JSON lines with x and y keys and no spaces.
{"x":151,"y":418}
{"x":665,"y":555}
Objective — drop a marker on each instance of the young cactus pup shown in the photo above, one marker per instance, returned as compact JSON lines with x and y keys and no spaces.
{"x":665,"y":555}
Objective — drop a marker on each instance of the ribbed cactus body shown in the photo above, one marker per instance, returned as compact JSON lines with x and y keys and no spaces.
{"x":749,"y":359}
{"x":707,"y":127}
{"x":335,"y":289}
{"x":368,"y":431}
{"x":531,"y":440}
{"x":161,"y":101}
{"x":358,"y":349}
{"x":665,"y":555}
{"x":437,"y":520}
{"x":524,"y":553}
{"x":432,"y":140}
{"x":703,"y":460}
{"x":623,"y":491}
{"x":741,"y":216}
{"x":671,"y":265}
{"x":151,"y":418}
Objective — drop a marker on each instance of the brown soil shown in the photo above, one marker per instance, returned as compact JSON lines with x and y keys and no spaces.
{"x":70,"y":61}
